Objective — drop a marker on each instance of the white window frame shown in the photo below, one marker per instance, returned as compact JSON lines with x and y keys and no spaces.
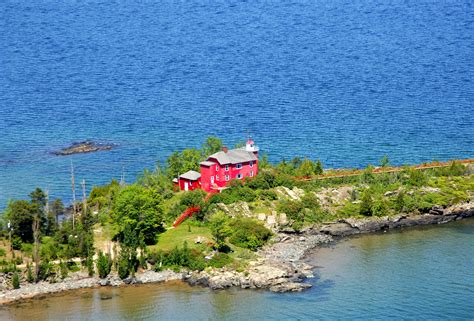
{"x":239,"y":174}
{"x":227,"y":178}
{"x":251,"y":164}
{"x":217,"y":177}
{"x":217,"y":168}
{"x":238,"y":166}
{"x":227,"y":168}
{"x":251,"y":173}
{"x":212,"y":179}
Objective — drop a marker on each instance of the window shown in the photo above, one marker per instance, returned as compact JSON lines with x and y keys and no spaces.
{"x":238,"y":166}
{"x":227,"y":178}
{"x":239,"y":176}
{"x":251,"y":173}
{"x":212,"y":179}
{"x":217,"y":168}
{"x":226,"y":168}
{"x":217,"y":177}
{"x":251,"y":164}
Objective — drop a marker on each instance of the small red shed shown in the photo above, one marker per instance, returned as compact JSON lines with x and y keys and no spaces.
{"x":189,"y":181}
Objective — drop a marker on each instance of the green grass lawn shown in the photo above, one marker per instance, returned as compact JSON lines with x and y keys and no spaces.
{"x":176,"y":236}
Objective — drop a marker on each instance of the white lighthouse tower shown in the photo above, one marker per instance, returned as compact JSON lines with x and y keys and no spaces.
{"x":251,"y":147}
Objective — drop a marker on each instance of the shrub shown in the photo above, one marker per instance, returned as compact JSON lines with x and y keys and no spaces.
{"x":63,"y":269}
{"x":16,"y":242}
{"x":258,"y":182}
{"x":399,"y":204}
{"x":3,"y":252}
{"x":414,"y":177}
{"x":72,"y":266}
{"x":45,"y":270}
{"x":220,"y":260}
{"x":29,"y":273}
{"x":123,"y":264}
{"x":318,"y":170}
{"x":306,"y":210}
{"x":49,"y":249}
{"x":104,"y":265}
{"x":310,"y":201}
{"x":380,"y":207}
{"x":292,"y":209}
{"x":366,"y":204}
{"x":248,"y":233}
{"x":267,"y":195}
{"x":10,"y":267}
{"x":18,"y":260}
{"x":284,"y":180}
{"x":177,"y":258}
{"x":16,"y":281}
{"x":90,"y":265}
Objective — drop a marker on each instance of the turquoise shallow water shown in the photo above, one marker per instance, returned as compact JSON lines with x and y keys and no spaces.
{"x":423,"y":274}
{"x":343,"y":81}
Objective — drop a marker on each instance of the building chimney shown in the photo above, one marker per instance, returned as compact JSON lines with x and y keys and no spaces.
{"x":225,"y":149}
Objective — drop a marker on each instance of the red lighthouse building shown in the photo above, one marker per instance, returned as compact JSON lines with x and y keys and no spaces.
{"x":222,"y":167}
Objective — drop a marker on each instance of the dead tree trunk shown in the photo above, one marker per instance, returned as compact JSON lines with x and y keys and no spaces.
{"x":73,"y":185}
{"x":36,"y":236}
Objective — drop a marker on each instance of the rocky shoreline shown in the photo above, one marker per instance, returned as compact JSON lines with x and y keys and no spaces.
{"x":279,"y":267}
{"x":80,"y":280}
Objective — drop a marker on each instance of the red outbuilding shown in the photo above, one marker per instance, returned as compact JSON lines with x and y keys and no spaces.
{"x":188,"y":181}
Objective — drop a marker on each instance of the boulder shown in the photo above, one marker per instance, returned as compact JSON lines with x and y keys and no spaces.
{"x":436,"y":210}
{"x":290,"y":287}
{"x":339,"y":229}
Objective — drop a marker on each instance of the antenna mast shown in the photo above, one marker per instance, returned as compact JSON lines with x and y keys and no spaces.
{"x":122,"y":176}
{"x":73,"y":196}
{"x":84,"y":199}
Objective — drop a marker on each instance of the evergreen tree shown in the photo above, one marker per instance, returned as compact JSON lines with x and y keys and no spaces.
{"x":104,"y":265}
{"x":400,"y":202}
{"x":16,"y":280}
{"x":306,"y":168}
{"x":366,"y":204}
{"x":384,"y":162}
{"x":318,"y":170}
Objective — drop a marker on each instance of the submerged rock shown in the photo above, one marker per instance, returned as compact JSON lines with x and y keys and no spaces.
{"x":290,"y":287}
{"x":83,"y":147}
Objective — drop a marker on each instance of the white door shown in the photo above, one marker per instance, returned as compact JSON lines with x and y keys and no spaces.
{"x":186,"y":186}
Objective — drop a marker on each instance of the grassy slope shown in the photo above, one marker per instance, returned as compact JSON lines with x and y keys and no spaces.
{"x":176,"y":236}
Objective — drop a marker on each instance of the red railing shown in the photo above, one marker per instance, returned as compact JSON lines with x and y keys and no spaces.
{"x":379,"y":170}
{"x":187,"y":213}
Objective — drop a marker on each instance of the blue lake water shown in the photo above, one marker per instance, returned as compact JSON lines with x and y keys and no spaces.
{"x":418,"y":274}
{"x":343,"y":81}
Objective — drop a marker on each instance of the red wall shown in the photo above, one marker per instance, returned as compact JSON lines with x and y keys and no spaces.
{"x":207,"y":172}
{"x":192,"y":185}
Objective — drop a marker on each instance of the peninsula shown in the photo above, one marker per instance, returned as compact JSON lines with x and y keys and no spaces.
{"x":251,"y":229}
